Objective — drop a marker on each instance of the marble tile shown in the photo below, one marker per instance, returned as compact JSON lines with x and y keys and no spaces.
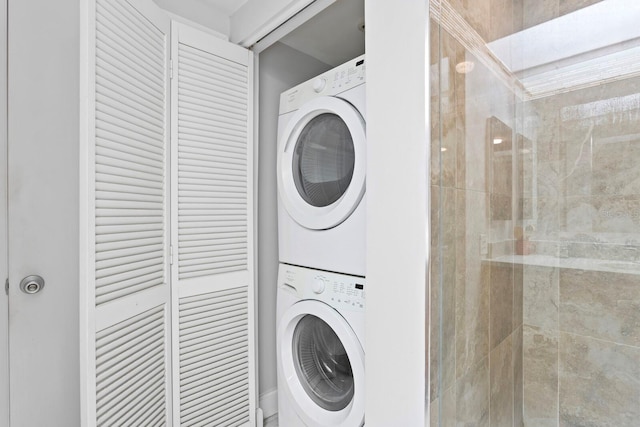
{"x":501,"y":303}
{"x":549,"y":179}
{"x":603,"y":214}
{"x":472,"y":282}
{"x":518,"y":386}
{"x":603,"y":168}
{"x":538,"y":11}
{"x":540,"y":296}
{"x":526,"y":168}
{"x":472,"y":396}
{"x":501,"y":375}
{"x":518,"y":15}
{"x":601,"y":305}
{"x":605,"y":248}
{"x":443,"y":409}
{"x":476,"y":13}
{"x":434,"y":412}
{"x":599,"y":383}
{"x":443,"y":265}
{"x":540,"y":376}
{"x":502,"y":19}
{"x":461,"y":153}
{"x":501,"y":208}
{"x":551,"y":217}
{"x":434,"y":41}
{"x":568,"y":6}
{"x":518,"y":306}
{"x":448,"y":160}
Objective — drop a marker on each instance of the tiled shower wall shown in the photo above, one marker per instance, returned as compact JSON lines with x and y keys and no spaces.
{"x":551,"y":337}
{"x":476,"y":312}
{"x":582,"y":311}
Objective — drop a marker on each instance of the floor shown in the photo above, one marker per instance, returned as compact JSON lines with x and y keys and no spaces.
{"x":271,"y":421}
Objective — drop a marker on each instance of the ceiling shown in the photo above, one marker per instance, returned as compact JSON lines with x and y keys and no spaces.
{"x":228,"y":7}
{"x":333,"y":36}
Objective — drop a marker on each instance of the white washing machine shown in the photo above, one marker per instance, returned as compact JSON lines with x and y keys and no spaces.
{"x":320,"y":348}
{"x":321,"y":171}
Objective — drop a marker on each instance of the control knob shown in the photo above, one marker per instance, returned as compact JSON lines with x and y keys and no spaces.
{"x":318,"y":286}
{"x":319,"y":84}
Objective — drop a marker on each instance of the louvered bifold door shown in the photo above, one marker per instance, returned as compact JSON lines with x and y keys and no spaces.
{"x":212,"y":237}
{"x":125,"y":292}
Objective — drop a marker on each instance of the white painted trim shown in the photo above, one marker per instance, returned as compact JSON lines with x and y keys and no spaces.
{"x":254,"y":362}
{"x":251,"y":249}
{"x":4,"y":248}
{"x":284,"y":28}
{"x":397,"y":211}
{"x":87,"y":219}
{"x":269,"y":403}
{"x":252,"y":35}
{"x":189,"y":23}
{"x":173,"y":201}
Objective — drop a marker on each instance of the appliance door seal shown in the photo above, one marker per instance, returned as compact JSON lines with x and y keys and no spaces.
{"x":312,"y":413}
{"x":322,"y":163}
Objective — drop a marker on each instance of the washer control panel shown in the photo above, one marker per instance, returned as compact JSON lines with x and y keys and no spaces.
{"x":332,"y":82}
{"x":341,"y":291}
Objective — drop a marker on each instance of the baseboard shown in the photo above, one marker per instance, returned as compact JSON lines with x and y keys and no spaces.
{"x":269,"y":403}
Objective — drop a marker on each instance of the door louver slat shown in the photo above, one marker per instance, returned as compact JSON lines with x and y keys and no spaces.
{"x":129,"y":380}
{"x":212,"y":170}
{"x":214,"y":357}
{"x":129,"y":155}
{"x":128,"y":180}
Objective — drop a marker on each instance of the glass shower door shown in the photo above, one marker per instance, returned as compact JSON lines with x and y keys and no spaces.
{"x":535,"y":266}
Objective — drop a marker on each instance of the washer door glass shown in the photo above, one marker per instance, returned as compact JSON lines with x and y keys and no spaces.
{"x":322,"y":364}
{"x":323,"y":160}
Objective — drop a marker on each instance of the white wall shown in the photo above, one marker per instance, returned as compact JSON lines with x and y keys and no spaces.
{"x":43,"y":138}
{"x":4,"y":301}
{"x":198,"y":12}
{"x":397,"y":212}
{"x":280,"y":68}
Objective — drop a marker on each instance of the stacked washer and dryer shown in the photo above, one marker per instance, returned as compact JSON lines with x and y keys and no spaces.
{"x":321,"y":236}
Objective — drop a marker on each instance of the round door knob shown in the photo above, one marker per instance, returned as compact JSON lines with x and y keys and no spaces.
{"x":319,"y":84}
{"x":32,"y":284}
{"x":318,"y":286}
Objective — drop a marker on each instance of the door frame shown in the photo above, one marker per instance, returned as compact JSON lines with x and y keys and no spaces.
{"x":4,"y":250}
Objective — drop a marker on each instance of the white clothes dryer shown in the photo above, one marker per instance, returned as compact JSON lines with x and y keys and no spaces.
{"x":321,"y":171}
{"x":320,"y":348}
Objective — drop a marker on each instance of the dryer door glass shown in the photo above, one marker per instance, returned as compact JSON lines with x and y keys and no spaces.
{"x":323,"y":160}
{"x":322,"y":364}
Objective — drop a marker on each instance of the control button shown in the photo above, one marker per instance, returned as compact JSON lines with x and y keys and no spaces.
{"x":318,"y":286}
{"x":319,"y":84}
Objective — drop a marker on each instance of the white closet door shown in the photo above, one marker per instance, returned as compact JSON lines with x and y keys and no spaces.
{"x":212,"y":231}
{"x":125,"y":292}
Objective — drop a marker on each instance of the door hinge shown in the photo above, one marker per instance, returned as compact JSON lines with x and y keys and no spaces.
{"x":6,"y":286}
{"x":171,"y":68}
{"x":170,"y":255}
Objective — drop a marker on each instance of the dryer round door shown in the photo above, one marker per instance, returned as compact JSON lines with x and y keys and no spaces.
{"x":321,"y":163}
{"x":323,"y":365}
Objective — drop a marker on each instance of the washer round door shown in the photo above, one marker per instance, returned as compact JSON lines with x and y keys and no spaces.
{"x":321,"y":163}
{"x":323,"y":365}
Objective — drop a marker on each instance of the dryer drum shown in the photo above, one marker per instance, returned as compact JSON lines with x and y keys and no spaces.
{"x":322,"y":364}
{"x":323,"y":160}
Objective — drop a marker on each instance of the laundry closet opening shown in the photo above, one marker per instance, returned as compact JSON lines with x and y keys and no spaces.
{"x":330,"y":38}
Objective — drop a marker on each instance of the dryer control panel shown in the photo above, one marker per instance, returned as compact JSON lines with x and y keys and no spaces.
{"x":330,"y":83}
{"x":340,"y":291}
